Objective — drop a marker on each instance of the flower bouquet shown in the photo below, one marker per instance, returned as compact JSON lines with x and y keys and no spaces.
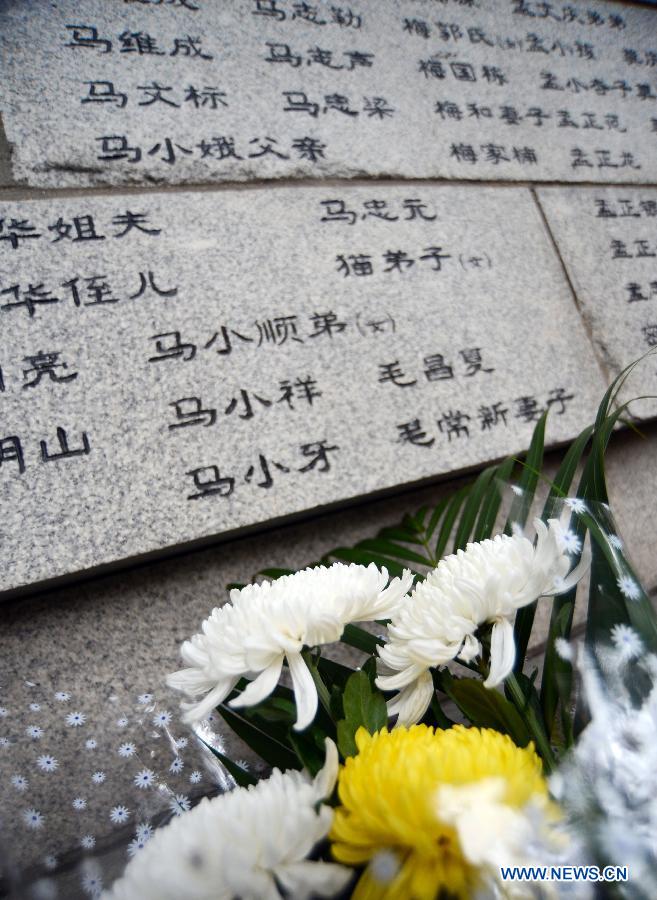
{"x":413,"y":747}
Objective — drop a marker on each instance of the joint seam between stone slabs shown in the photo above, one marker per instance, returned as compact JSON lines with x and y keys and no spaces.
{"x":606,"y":374}
{"x":17,"y":191}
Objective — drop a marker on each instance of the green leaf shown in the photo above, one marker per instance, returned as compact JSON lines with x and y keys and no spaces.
{"x":413,"y":522}
{"x":529,"y":477}
{"x":492,"y":500}
{"x":395,"y":551}
{"x":560,"y":487}
{"x":529,"y":693}
{"x":307,"y":751}
{"x":241,"y":776}
{"x":451,"y":512}
{"x":486,"y":708}
{"x":322,"y":691}
{"x":529,"y":710}
{"x":273,"y":574}
{"x":364,"y":558}
{"x":401,"y":533}
{"x":272,"y":751}
{"x":357,"y":637}
{"x":439,"y":717}
{"x":471,"y":509}
{"x":556,"y":683}
{"x":337,"y":710}
{"x":519,"y":512}
{"x":275,"y":728}
{"x":346,"y":738}
{"x":333,"y":673}
{"x":435,"y":517}
{"x":274,"y":709}
{"x":607,"y":606}
{"x":364,"y":706}
{"x":235,"y":586}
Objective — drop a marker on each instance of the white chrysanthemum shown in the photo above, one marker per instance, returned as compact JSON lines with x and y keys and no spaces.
{"x":265,"y":624}
{"x":246,"y":844}
{"x":485,"y":583}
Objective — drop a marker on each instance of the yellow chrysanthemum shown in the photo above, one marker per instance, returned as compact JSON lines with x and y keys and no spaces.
{"x":391,"y":806}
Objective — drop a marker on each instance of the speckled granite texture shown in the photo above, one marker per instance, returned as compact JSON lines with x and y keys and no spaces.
{"x":606,"y":238}
{"x":213,"y":361}
{"x":493,"y":89}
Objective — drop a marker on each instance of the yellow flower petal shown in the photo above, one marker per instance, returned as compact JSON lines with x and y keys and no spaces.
{"x":388,"y":795}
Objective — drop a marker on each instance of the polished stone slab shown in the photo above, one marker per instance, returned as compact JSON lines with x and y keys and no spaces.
{"x":607,"y":240}
{"x":180,"y":366}
{"x":195,"y":91}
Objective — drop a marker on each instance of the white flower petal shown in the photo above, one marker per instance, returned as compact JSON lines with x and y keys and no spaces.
{"x":313,"y":879}
{"x":389,"y":599}
{"x":305,"y":692}
{"x":471,"y":648}
{"x":261,"y":687}
{"x":327,"y":776}
{"x":502,"y":653}
{"x":194,"y":712}
{"x":411,"y":704}
{"x":489,"y":831}
{"x":401,"y":679}
{"x":577,"y":573}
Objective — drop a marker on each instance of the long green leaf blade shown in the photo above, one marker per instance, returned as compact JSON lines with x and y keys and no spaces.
{"x":532,"y":466}
{"x":471,"y":509}
{"x":493,"y":500}
{"x":360,"y":639}
{"x":365,"y":557}
{"x":486,"y":708}
{"x":263,"y":743}
{"x":451,"y":512}
{"x":399,"y":533}
{"x":241,"y":776}
{"x":394,"y":551}
{"x":436,"y":516}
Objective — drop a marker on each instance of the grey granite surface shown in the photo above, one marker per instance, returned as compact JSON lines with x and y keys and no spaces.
{"x":97,"y":92}
{"x":607,"y":238}
{"x":180,"y":366}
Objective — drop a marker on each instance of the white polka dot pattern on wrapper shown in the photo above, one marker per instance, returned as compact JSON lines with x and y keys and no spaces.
{"x":104,"y":783}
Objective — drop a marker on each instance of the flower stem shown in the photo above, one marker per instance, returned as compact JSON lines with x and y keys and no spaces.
{"x":533,"y":723}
